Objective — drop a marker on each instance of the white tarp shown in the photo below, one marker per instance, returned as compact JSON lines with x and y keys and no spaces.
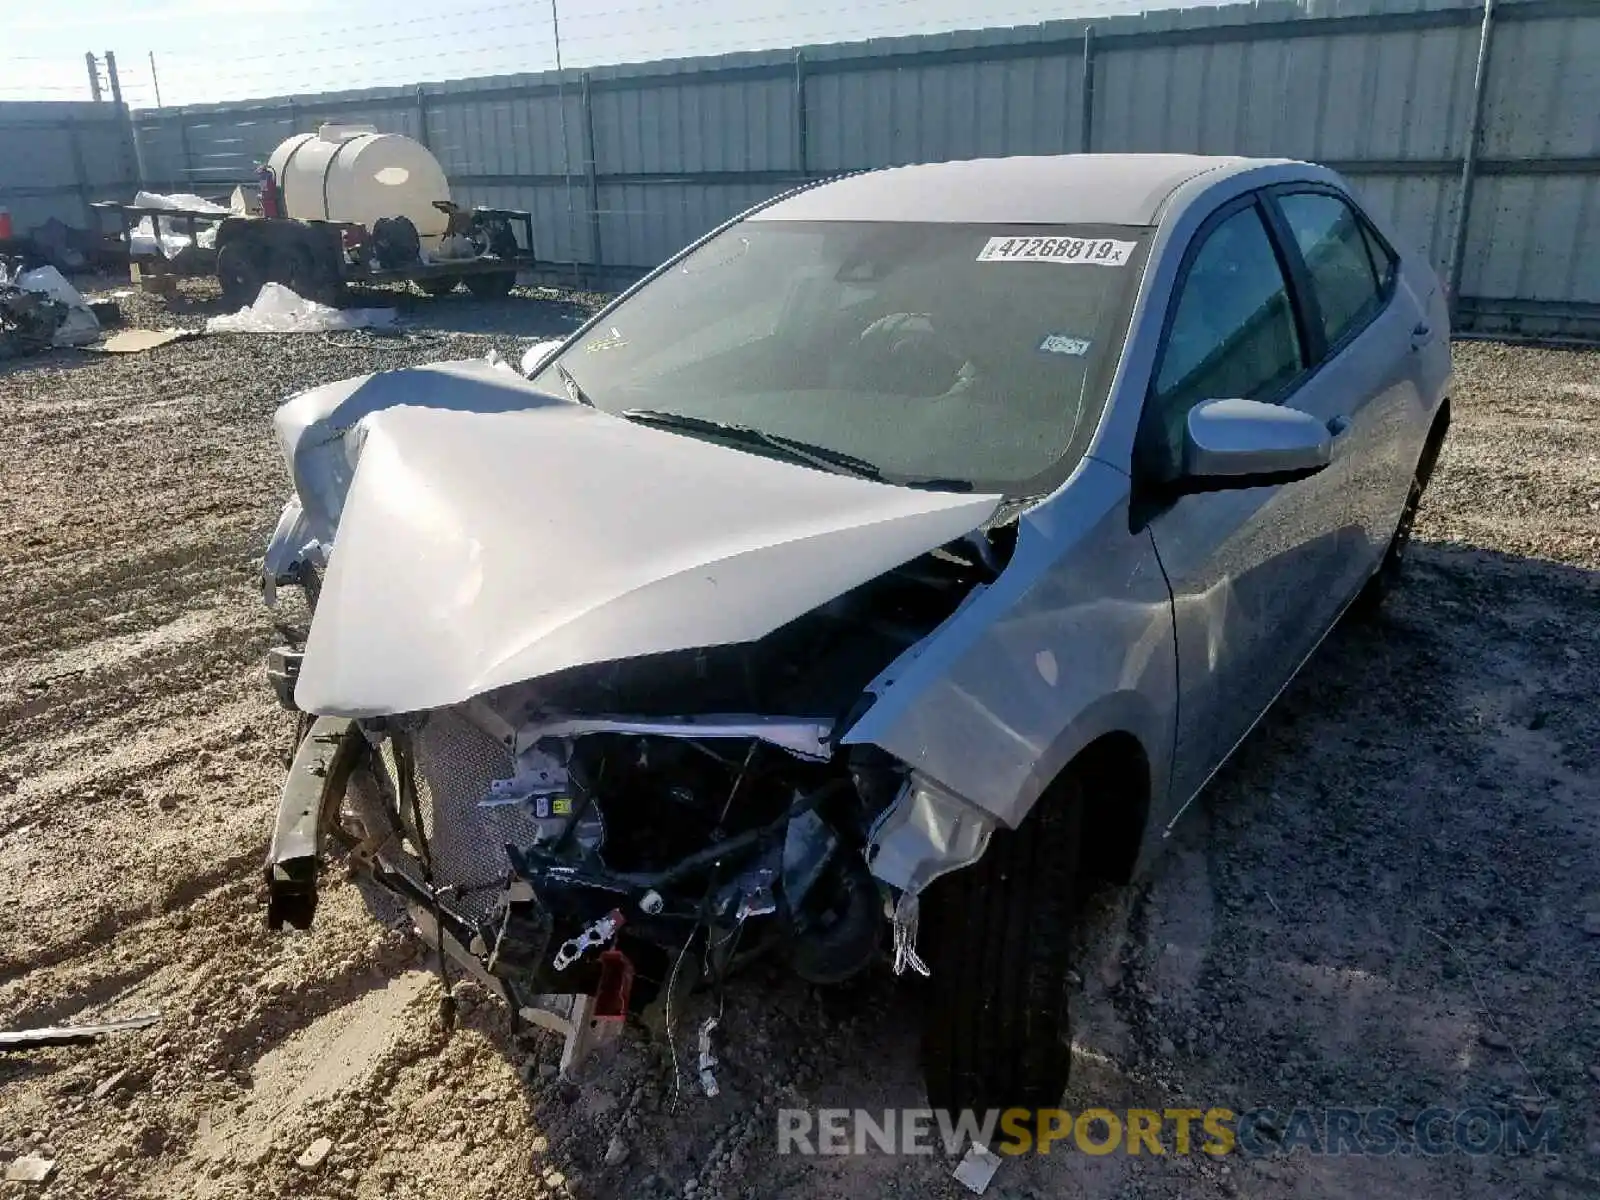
{"x":279,"y":310}
{"x":80,"y":325}
{"x":164,"y":237}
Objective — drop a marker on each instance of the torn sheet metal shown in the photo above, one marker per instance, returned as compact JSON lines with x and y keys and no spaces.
{"x":71,"y":1035}
{"x":907,"y":915}
{"x":479,"y":550}
{"x":708,"y":1060}
{"x":927,"y":832}
{"x":801,"y":737}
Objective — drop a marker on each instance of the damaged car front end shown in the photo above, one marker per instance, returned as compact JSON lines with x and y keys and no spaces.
{"x":702,"y":644}
{"x":574,"y":830}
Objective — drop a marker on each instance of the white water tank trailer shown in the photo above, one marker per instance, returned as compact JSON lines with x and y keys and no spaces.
{"x":353,"y":173}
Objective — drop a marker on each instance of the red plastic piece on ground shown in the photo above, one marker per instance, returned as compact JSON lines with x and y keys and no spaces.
{"x":616,"y":985}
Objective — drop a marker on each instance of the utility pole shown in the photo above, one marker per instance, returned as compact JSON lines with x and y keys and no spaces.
{"x":94,"y":74}
{"x":153,"y":79}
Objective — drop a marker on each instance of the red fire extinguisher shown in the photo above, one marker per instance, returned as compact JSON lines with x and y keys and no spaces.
{"x":6,"y":231}
{"x":268,"y":185}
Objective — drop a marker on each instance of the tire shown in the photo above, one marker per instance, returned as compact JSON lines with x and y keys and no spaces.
{"x":241,"y":273}
{"x":997,"y":1029}
{"x":496,"y":285}
{"x":1369,"y":600}
{"x":437,"y":285}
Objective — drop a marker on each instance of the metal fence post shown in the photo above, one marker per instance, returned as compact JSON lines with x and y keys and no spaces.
{"x":183,"y":148}
{"x":591,"y":177}
{"x":80,"y":171}
{"x":1469,"y":163}
{"x":1086,"y":96}
{"x":422,"y":117}
{"x":800,"y":113}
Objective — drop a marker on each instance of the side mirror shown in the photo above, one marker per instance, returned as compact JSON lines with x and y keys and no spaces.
{"x":536,"y":355}
{"x":1231,"y":444}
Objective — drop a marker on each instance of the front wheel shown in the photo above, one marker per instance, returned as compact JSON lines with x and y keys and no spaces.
{"x":997,"y":1032}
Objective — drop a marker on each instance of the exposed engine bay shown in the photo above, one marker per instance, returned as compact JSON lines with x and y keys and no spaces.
{"x":591,"y":831}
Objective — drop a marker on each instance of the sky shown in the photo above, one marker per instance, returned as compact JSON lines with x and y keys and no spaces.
{"x":207,"y":50}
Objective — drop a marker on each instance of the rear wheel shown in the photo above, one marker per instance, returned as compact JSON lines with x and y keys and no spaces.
{"x":437,"y":285}
{"x":997,"y":1031}
{"x":241,"y":271}
{"x":1387,"y":577}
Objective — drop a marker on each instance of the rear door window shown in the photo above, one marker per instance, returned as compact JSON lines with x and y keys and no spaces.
{"x":1337,"y":252}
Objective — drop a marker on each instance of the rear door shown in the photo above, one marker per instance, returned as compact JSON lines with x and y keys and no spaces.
{"x":1368,"y":332}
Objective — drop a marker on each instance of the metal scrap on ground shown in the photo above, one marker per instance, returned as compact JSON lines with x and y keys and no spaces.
{"x":71,"y":1035}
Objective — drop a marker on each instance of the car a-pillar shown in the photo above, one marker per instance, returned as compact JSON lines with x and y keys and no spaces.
{"x":996,"y":935}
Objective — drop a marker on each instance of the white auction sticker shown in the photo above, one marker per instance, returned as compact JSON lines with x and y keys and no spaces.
{"x":1097,"y":252}
{"x":1060,"y":343}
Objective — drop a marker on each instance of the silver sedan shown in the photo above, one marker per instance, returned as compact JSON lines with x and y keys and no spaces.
{"x":899,"y":557}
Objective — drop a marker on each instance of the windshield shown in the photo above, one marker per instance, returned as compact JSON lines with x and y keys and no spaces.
{"x":949,"y":355}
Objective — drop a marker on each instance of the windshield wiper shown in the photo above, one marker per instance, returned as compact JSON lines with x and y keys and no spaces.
{"x":574,"y":388}
{"x":817,"y":456}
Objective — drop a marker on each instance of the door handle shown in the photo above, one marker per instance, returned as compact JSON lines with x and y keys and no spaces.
{"x":1419,"y":334}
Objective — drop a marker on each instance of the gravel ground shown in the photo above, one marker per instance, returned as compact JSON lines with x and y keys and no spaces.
{"x":1391,"y":897}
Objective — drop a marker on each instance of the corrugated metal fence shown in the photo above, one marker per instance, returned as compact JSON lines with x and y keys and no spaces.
{"x":623,"y":165}
{"x":58,"y":157}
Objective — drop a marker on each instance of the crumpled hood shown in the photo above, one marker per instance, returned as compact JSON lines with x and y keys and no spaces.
{"x":480,"y":549}
{"x":320,"y":429}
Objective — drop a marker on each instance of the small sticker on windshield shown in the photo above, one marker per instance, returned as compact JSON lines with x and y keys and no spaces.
{"x":1094,"y":252}
{"x":1061,"y":343}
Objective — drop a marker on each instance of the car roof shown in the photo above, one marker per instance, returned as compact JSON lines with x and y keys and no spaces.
{"x":1061,"y":189}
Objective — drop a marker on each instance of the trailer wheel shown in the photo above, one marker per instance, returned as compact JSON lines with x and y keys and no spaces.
{"x":300,"y":269}
{"x":496,"y":285}
{"x":241,"y":272}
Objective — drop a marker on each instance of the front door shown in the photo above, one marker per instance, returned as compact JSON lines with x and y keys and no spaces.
{"x":1253,"y":572}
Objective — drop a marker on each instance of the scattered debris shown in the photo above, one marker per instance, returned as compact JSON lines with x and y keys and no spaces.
{"x":279,"y":310}
{"x":616,"y":1151}
{"x":158,"y":237}
{"x":71,"y":1035}
{"x":1494,"y":1039}
{"x":30,"y":1168}
{"x":314,"y":1155}
{"x":105,"y":1087}
{"x":1591,"y":924}
{"x":977,"y":1168}
{"x":39,"y":309}
{"x":136,"y":341}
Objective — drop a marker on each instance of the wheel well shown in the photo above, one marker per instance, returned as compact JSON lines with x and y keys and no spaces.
{"x":1116,"y":795}
{"x":1435,"y":442}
